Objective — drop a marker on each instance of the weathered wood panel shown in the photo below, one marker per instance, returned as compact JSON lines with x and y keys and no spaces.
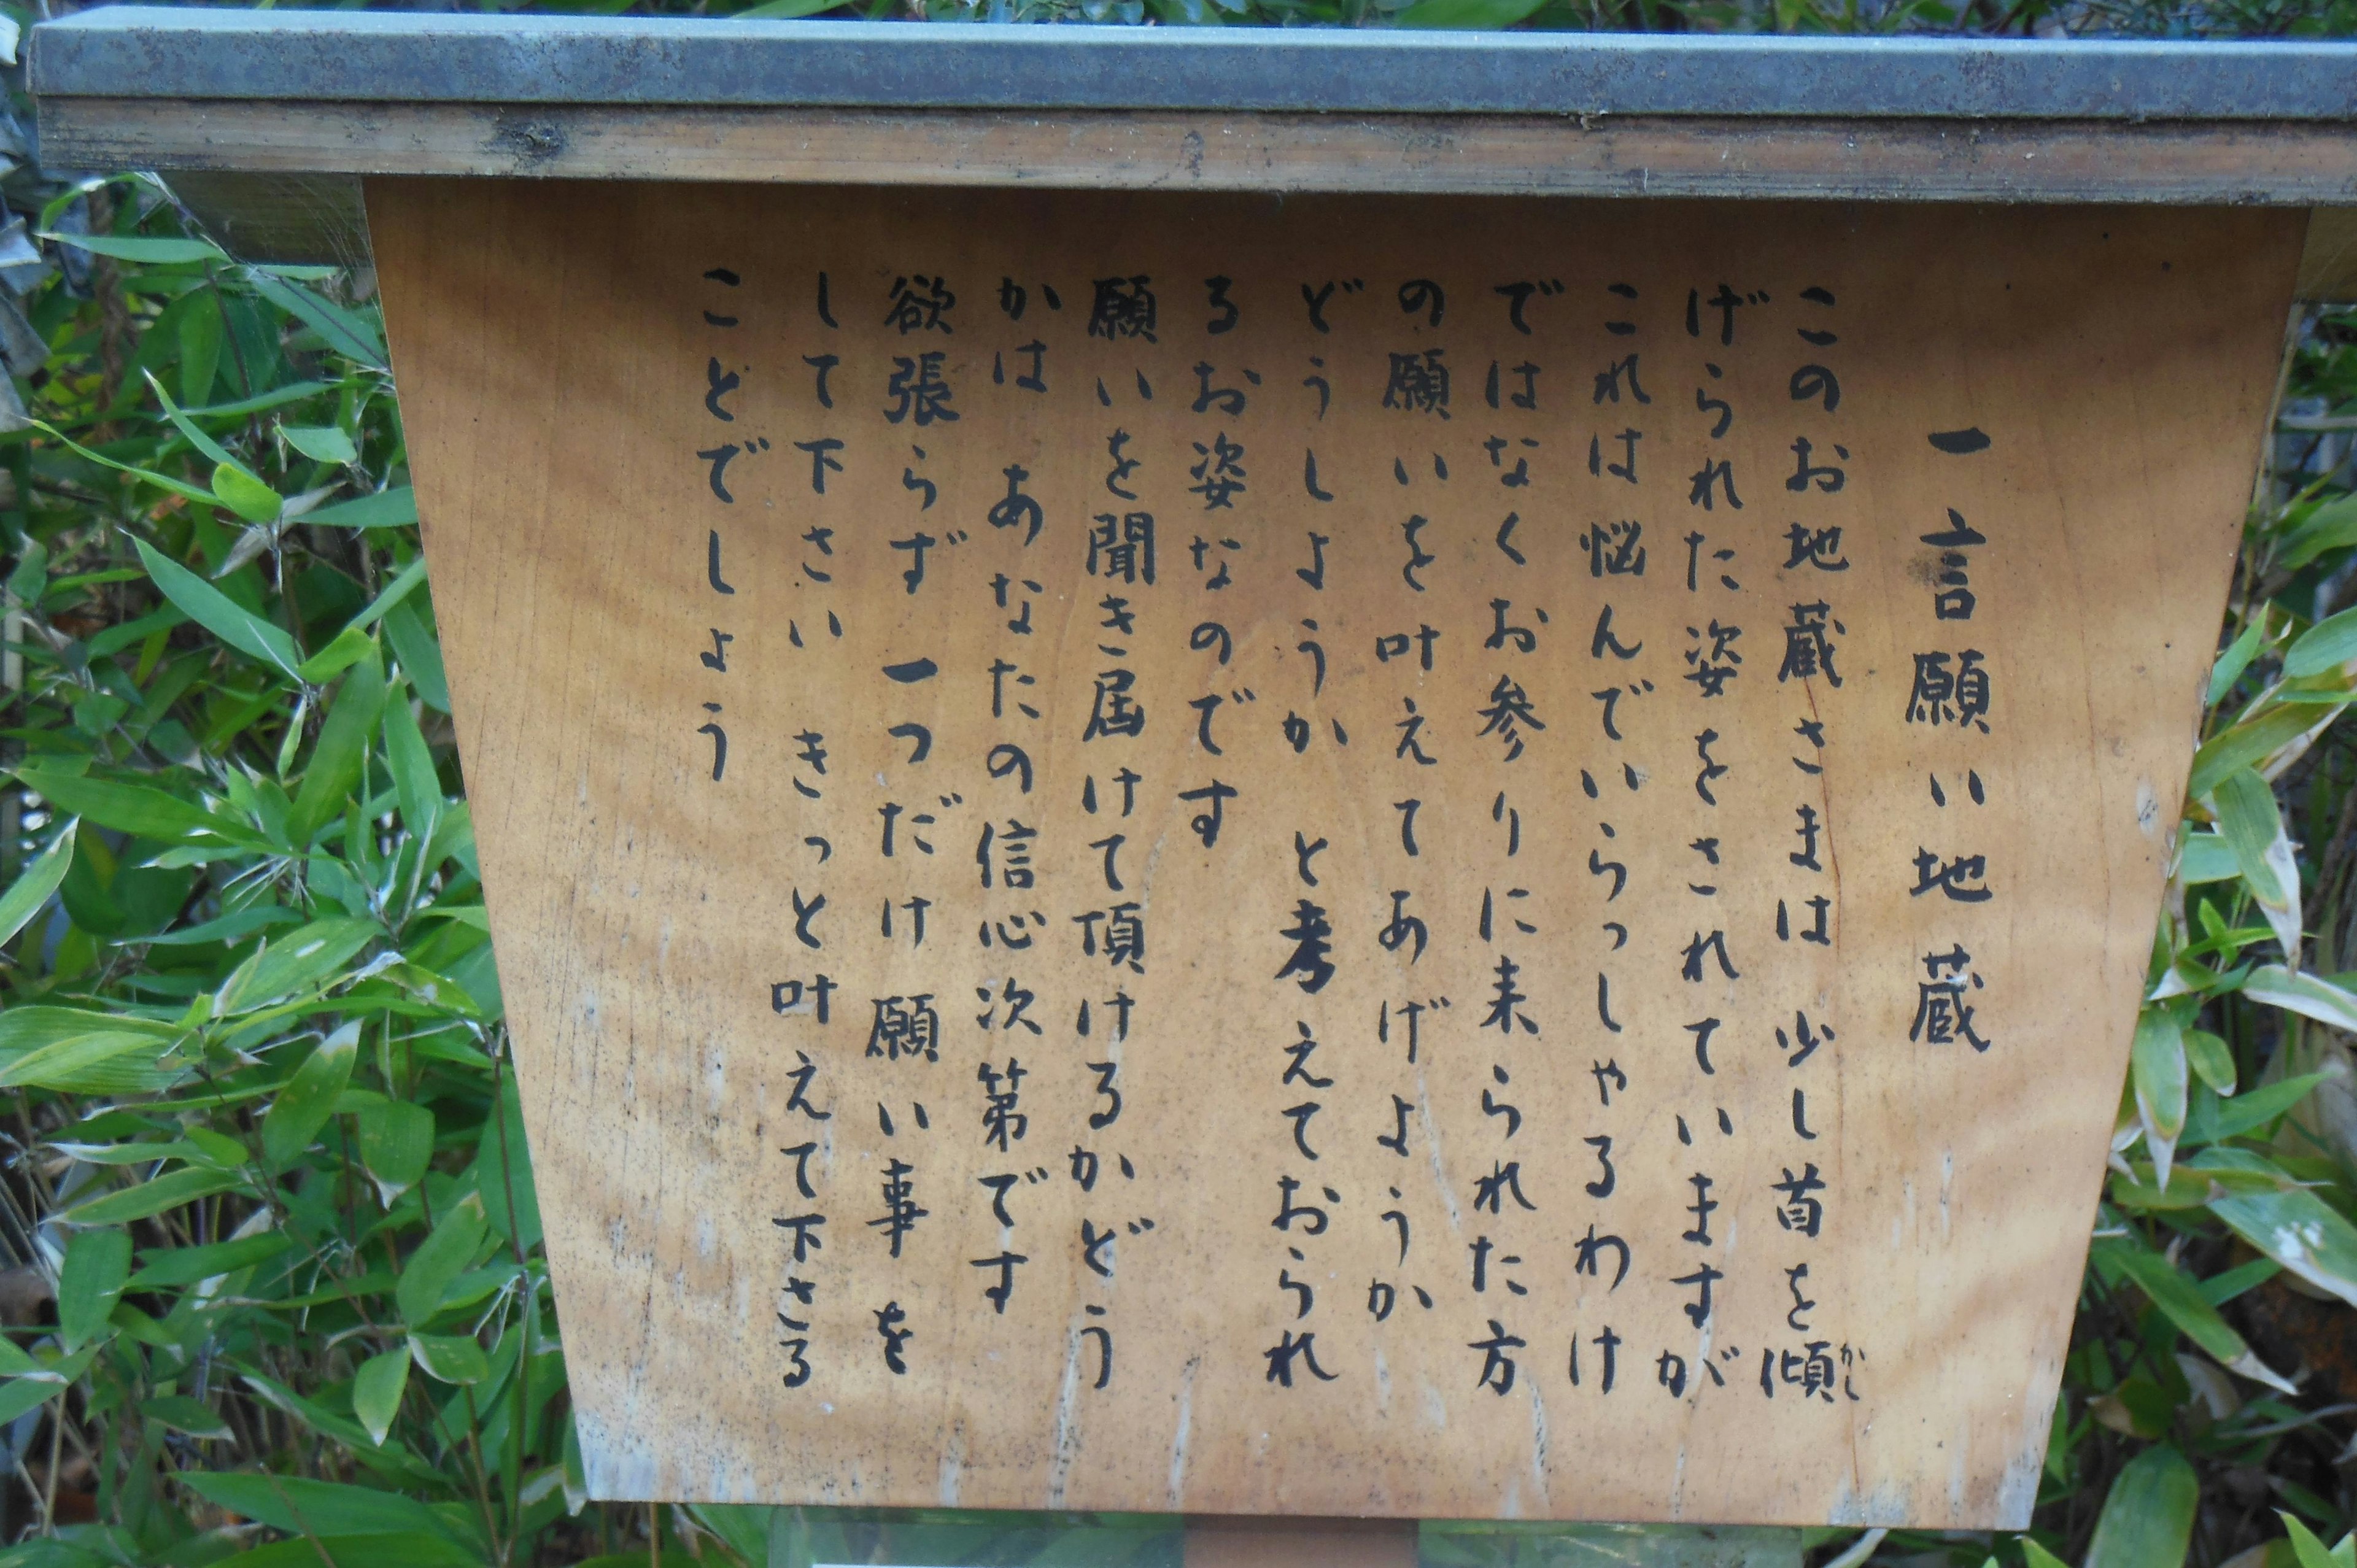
{"x":1684,"y":940}
{"x":2056,"y":161}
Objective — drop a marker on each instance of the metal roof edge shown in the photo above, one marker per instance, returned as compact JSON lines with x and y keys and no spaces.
{"x":171,"y":53}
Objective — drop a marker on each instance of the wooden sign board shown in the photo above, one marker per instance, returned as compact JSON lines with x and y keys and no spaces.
{"x":1419,"y":857}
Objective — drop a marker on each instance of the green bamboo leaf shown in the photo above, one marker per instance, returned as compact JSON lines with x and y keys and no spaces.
{"x":304,"y":1506}
{"x":101,"y":1062}
{"x":411,"y":762}
{"x":405,"y":582}
{"x":346,"y":331}
{"x":34,"y":1390}
{"x":31,"y":891}
{"x":420,"y":656}
{"x":2288,"y":1223}
{"x":161,"y":481}
{"x":2310,"y":1552}
{"x":339,"y":757}
{"x":218,"y":613}
{"x":377,"y":1391}
{"x":321,"y":442}
{"x":2248,"y":744}
{"x":182,"y":1414}
{"x":450,"y":1358}
{"x":2215,"y":1119}
{"x":302,"y":1107}
{"x":133,"y":809}
{"x":2181,"y":1301}
{"x":246,"y":495}
{"x":2037,"y":1556}
{"x":2254,"y":830}
{"x":2148,"y":1518}
{"x":386,"y":508}
{"x":348,"y":648}
{"x":503,"y":1171}
{"x":152,"y":1196}
{"x":202,"y":334}
{"x":2234,"y":661}
{"x":396,"y":1140}
{"x":295,"y":962}
{"x":2326,"y":646}
{"x":2206,"y":858}
{"x":153,"y":249}
{"x":445,"y":1254}
{"x":1484,"y":15}
{"x":2309,"y":995}
{"x":2212,"y":1059}
{"x":2157,"y":1064}
{"x":89,"y":1282}
{"x":164,"y":1267}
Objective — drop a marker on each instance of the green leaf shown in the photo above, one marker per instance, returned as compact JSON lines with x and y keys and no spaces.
{"x":346,"y":331}
{"x":161,"y":481}
{"x":35,"y":1390}
{"x":408,"y":1549}
{"x":348,"y":648}
{"x":339,"y":757}
{"x":2212,"y":1059}
{"x":407,"y":581}
{"x":2234,"y":661}
{"x":411,"y":762}
{"x":321,"y":442}
{"x":396,"y":1140}
{"x":152,"y":1196}
{"x":2148,"y":1520}
{"x":450,"y":1358}
{"x":377,"y":1391}
{"x":324,"y":1508}
{"x":301,"y":1108}
{"x":420,"y":656}
{"x":2037,"y":1556}
{"x":2181,"y":1302}
{"x":218,"y":613}
{"x":31,"y":891}
{"x":182,"y":1414}
{"x":503,"y":1167}
{"x":153,"y":249}
{"x":2326,"y":646}
{"x":200,"y":332}
{"x":446,"y":1253}
{"x":2309,"y":995}
{"x":296,"y":961}
{"x":2254,"y":830}
{"x":2206,"y":858}
{"x":2249,"y":743}
{"x":246,"y":495}
{"x":91,"y":1282}
{"x":133,"y":809}
{"x":2157,"y":1066}
{"x":162,"y":1268}
{"x":2221,"y":1119}
{"x":108,"y":1059}
{"x":1484,"y":15}
{"x":2289,"y":1224}
{"x":2310,"y":1552}
{"x":386,"y":508}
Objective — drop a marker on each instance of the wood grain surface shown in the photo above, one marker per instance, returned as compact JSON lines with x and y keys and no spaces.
{"x":630,"y":563}
{"x":2060,"y":160}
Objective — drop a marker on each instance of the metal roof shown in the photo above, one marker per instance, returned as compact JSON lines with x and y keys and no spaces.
{"x":376,"y":56}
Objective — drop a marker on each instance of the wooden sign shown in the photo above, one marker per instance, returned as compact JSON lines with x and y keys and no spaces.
{"x":1408,"y":857}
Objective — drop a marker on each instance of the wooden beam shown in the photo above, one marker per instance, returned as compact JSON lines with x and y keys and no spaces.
{"x":2059,"y":161}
